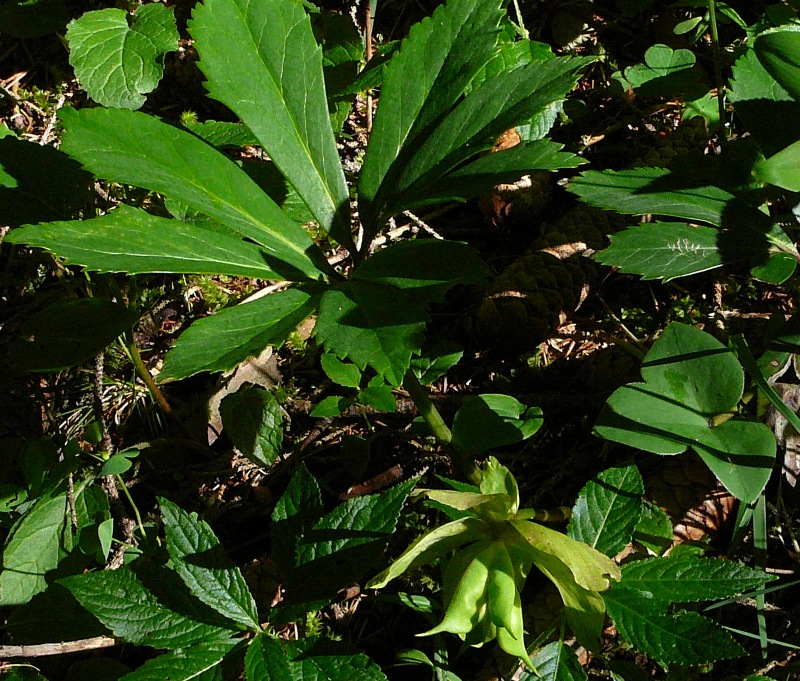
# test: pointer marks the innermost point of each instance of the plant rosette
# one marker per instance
(496, 545)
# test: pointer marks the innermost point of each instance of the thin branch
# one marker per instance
(44, 649)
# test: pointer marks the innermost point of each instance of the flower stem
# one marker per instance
(144, 374)
(465, 464)
(712, 13)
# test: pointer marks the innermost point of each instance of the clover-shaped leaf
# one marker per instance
(692, 384)
(488, 421)
(116, 63)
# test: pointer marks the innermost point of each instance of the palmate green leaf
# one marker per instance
(481, 175)
(175, 163)
(652, 190)
(663, 250)
(183, 664)
(654, 529)
(688, 579)
(118, 64)
(778, 51)
(436, 362)
(380, 397)
(428, 267)
(252, 419)
(200, 561)
(223, 340)
(431, 546)
(122, 603)
(36, 545)
(691, 378)
(781, 169)
(513, 54)
(608, 509)
(39, 183)
(361, 521)
(341, 546)
(51, 340)
(310, 659)
(487, 421)
(556, 662)
(371, 325)
(434, 66)
(298, 508)
(685, 638)
(740, 453)
(476, 122)
(767, 110)
(665, 71)
(696, 368)
(133, 241)
(341, 373)
(274, 82)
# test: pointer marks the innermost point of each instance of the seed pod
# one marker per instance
(468, 598)
(512, 640)
(484, 631)
(501, 586)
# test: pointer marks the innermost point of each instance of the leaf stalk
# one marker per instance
(428, 411)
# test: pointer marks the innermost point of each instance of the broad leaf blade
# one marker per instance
(133, 241)
(694, 368)
(767, 110)
(430, 546)
(608, 509)
(223, 340)
(36, 546)
(663, 250)
(298, 508)
(584, 608)
(200, 561)
(556, 662)
(689, 579)
(39, 183)
(487, 421)
(591, 569)
(371, 324)
(183, 664)
(119, 64)
(252, 419)
(779, 52)
(476, 122)
(428, 267)
(341, 373)
(781, 169)
(344, 544)
(741, 454)
(422, 81)
(651, 190)
(274, 82)
(179, 165)
(223, 134)
(122, 603)
(481, 175)
(310, 659)
(686, 638)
